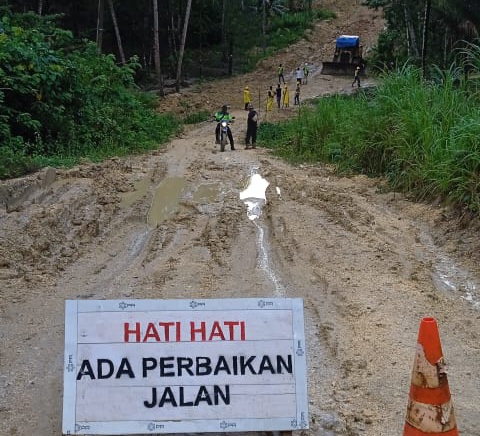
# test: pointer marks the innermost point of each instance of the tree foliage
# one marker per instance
(451, 22)
(61, 98)
(217, 28)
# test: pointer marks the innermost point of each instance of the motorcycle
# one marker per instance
(223, 133)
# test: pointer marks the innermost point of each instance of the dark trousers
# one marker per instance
(251, 134)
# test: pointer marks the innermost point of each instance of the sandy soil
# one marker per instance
(368, 263)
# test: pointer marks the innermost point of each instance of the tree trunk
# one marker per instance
(117, 32)
(411, 32)
(40, 7)
(224, 31)
(264, 26)
(99, 39)
(173, 34)
(182, 45)
(156, 48)
(426, 20)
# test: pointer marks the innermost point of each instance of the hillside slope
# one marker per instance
(319, 44)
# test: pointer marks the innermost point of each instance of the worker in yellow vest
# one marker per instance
(247, 97)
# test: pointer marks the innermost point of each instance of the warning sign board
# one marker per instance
(175, 366)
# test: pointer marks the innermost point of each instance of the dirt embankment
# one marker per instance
(368, 263)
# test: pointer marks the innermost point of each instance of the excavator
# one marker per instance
(347, 56)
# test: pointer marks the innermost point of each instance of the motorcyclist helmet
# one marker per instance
(224, 108)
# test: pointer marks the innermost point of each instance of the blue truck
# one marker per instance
(347, 56)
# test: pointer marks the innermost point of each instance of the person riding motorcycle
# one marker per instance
(220, 116)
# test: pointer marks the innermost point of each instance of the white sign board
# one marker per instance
(178, 366)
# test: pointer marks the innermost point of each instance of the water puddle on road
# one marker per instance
(165, 200)
(254, 198)
(448, 277)
(167, 196)
(140, 190)
(206, 193)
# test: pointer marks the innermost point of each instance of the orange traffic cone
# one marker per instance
(430, 411)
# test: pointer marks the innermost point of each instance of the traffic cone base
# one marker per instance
(431, 419)
(412, 431)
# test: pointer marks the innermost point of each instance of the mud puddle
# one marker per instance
(168, 195)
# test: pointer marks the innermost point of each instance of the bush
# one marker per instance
(60, 98)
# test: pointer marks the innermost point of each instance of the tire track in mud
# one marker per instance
(330, 216)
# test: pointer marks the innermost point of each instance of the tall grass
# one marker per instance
(423, 137)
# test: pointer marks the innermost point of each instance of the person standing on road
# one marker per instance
(297, 95)
(299, 75)
(270, 96)
(306, 72)
(280, 74)
(356, 77)
(286, 97)
(278, 94)
(252, 126)
(247, 97)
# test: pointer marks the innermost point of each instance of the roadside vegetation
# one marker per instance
(422, 137)
(62, 101)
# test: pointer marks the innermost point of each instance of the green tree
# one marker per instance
(413, 38)
(60, 97)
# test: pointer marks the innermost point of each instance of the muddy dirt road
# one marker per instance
(368, 263)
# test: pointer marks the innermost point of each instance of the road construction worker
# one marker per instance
(299, 75)
(220, 116)
(280, 74)
(252, 126)
(306, 72)
(286, 97)
(278, 95)
(356, 77)
(247, 97)
(270, 97)
(297, 95)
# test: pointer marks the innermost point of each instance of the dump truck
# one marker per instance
(347, 56)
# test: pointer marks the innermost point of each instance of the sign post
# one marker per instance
(176, 366)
